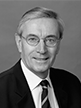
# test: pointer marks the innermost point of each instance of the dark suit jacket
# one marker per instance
(15, 92)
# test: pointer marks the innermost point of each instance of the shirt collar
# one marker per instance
(32, 79)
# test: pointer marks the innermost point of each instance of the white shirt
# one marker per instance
(33, 82)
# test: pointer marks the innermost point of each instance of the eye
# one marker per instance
(32, 40)
(51, 39)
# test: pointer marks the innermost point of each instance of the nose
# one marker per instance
(41, 48)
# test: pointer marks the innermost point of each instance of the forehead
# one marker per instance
(41, 26)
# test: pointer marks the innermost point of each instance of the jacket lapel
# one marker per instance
(26, 101)
(22, 97)
(58, 85)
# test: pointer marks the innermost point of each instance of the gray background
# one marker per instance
(69, 57)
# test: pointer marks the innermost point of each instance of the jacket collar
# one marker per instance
(58, 85)
(22, 92)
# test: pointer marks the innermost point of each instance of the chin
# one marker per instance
(41, 68)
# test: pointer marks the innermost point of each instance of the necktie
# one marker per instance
(44, 97)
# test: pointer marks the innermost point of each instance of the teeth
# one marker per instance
(41, 58)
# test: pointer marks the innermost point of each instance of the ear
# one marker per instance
(58, 47)
(18, 42)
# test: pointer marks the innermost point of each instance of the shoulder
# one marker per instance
(62, 73)
(64, 76)
(69, 84)
(6, 79)
(7, 76)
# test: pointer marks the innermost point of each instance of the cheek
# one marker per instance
(27, 51)
(52, 52)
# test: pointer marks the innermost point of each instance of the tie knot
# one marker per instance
(44, 83)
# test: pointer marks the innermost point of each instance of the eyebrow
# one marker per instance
(51, 36)
(31, 35)
(44, 37)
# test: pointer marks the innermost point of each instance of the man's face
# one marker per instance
(38, 58)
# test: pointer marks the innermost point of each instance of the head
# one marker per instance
(38, 39)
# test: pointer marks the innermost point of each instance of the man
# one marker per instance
(38, 40)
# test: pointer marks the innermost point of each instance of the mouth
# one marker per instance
(41, 59)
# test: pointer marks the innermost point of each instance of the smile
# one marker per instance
(41, 59)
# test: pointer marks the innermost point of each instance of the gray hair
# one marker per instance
(40, 12)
